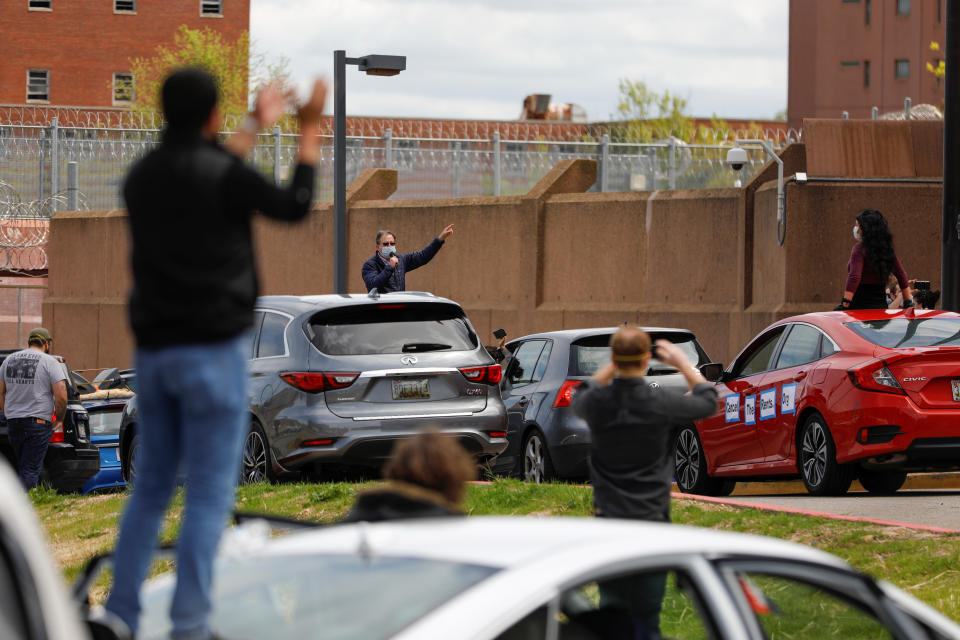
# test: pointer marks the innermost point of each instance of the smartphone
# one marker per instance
(500, 333)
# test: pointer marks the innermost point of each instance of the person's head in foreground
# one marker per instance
(432, 461)
(630, 351)
(189, 99)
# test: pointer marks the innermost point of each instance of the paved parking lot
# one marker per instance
(930, 508)
(927, 500)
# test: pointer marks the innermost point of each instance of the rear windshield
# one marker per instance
(105, 423)
(903, 332)
(587, 355)
(391, 328)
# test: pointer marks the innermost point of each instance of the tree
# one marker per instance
(648, 116)
(233, 65)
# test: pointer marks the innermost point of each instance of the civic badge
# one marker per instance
(409, 360)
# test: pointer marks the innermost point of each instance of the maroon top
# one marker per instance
(857, 274)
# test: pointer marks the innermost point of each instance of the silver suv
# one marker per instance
(338, 379)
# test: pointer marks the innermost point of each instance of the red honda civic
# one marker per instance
(832, 396)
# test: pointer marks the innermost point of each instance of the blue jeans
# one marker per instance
(29, 440)
(192, 402)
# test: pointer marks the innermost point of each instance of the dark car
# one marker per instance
(545, 440)
(71, 459)
(337, 380)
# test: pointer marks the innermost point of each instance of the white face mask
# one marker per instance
(856, 232)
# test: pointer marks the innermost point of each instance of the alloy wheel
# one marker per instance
(254, 458)
(533, 463)
(814, 451)
(687, 459)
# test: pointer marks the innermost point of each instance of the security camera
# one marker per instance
(736, 158)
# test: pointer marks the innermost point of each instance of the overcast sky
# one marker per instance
(479, 58)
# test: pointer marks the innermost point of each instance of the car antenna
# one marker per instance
(374, 294)
(364, 548)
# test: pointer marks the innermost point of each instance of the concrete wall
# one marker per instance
(555, 258)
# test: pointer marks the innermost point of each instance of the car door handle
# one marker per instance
(801, 375)
(523, 402)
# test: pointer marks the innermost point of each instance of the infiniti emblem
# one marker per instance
(410, 360)
(654, 385)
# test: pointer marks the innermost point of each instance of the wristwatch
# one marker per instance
(906, 304)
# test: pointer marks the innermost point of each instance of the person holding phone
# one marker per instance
(386, 270)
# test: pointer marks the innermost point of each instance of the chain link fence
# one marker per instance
(84, 163)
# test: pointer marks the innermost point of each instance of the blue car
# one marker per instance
(105, 435)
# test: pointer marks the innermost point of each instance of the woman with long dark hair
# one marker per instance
(872, 260)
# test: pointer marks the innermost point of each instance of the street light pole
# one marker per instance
(376, 65)
(950, 231)
(339, 172)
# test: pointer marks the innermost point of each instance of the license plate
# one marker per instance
(411, 389)
(955, 387)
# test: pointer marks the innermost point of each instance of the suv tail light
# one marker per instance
(57, 435)
(873, 375)
(317, 381)
(487, 374)
(565, 394)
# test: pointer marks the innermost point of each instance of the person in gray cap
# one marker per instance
(33, 397)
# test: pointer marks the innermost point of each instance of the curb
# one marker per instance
(919, 481)
(808, 512)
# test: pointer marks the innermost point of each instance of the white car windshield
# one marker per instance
(337, 597)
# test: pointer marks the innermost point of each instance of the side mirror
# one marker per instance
(712, 371)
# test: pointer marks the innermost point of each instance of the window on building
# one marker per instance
(901, 69)
(40, 5)
(125, 6)
(211, 7)
(866, 13)
(939, 11)
(903, 7)
(38, 85)
(866, 74)
(123, 87)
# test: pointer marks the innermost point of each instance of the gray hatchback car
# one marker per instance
(546, 440)
(338, 379)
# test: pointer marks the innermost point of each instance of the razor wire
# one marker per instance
(34, 158)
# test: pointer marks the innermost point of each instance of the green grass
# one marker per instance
(924, 564)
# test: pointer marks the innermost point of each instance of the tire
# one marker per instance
(883, 483)
(817, 460)
(134, 451)
(256, 457)
(690, 467)
(537, 466)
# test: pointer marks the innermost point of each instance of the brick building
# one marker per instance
(77, 52)
(853, 55)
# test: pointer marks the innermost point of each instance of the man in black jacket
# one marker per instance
(190, 203)
(386, 270)
(632, 431)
